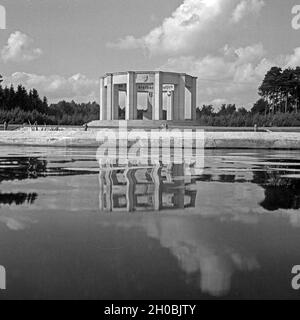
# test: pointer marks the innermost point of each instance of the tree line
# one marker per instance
(279, 105)
(280, 91)
(230, 116)
(19, 106)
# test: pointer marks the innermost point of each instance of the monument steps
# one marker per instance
(145, 124)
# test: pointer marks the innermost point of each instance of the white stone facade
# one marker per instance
(155, 84)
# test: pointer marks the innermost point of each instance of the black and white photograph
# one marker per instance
(150, 153)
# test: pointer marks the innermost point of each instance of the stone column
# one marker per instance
(170, 106)
(194, 99)
(109, 97)
(115, 102)
(130, 189)
(179, 99)
(149, 114)
(181, 88)
(101, 190)
(157, 181)
(178, 174)
(158, 97)
(176, 103)
(109, 191)
(103, 102)
(131, 97)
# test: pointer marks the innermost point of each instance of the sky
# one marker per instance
(62, 47)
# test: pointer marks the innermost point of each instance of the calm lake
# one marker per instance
(69, 230)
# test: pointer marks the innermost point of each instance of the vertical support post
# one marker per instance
(158, 97)
(194, 99)
(179, 180)
(179, 99)
(115, 102)
(109, 191)
(176, 103)
(149, 114)
(130, 189)
(131, 97)
(109, 97)
(101, 190)
(181, 89)
(170, 106)
(103, 102)
(157, 196)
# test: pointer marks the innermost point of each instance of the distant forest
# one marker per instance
(279, 105)
(18, 106)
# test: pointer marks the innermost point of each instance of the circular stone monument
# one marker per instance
(168, 96)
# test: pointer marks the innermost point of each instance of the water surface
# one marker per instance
(71, 230)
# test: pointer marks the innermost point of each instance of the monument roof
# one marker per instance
(146, 72)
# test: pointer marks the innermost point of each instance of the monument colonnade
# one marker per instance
(154, 84)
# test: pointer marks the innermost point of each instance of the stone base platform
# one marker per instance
(146, 124)
(212, 140)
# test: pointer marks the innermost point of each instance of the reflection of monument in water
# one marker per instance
(146, 188)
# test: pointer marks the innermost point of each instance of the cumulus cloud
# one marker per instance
(293, 60)
(231, 76)
(246, 7)
(178, 33)
(197, 253)
(20, 48)
(191, 22)
(56, 87)
(129, 42)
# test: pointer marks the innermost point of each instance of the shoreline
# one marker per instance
(212, 140)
